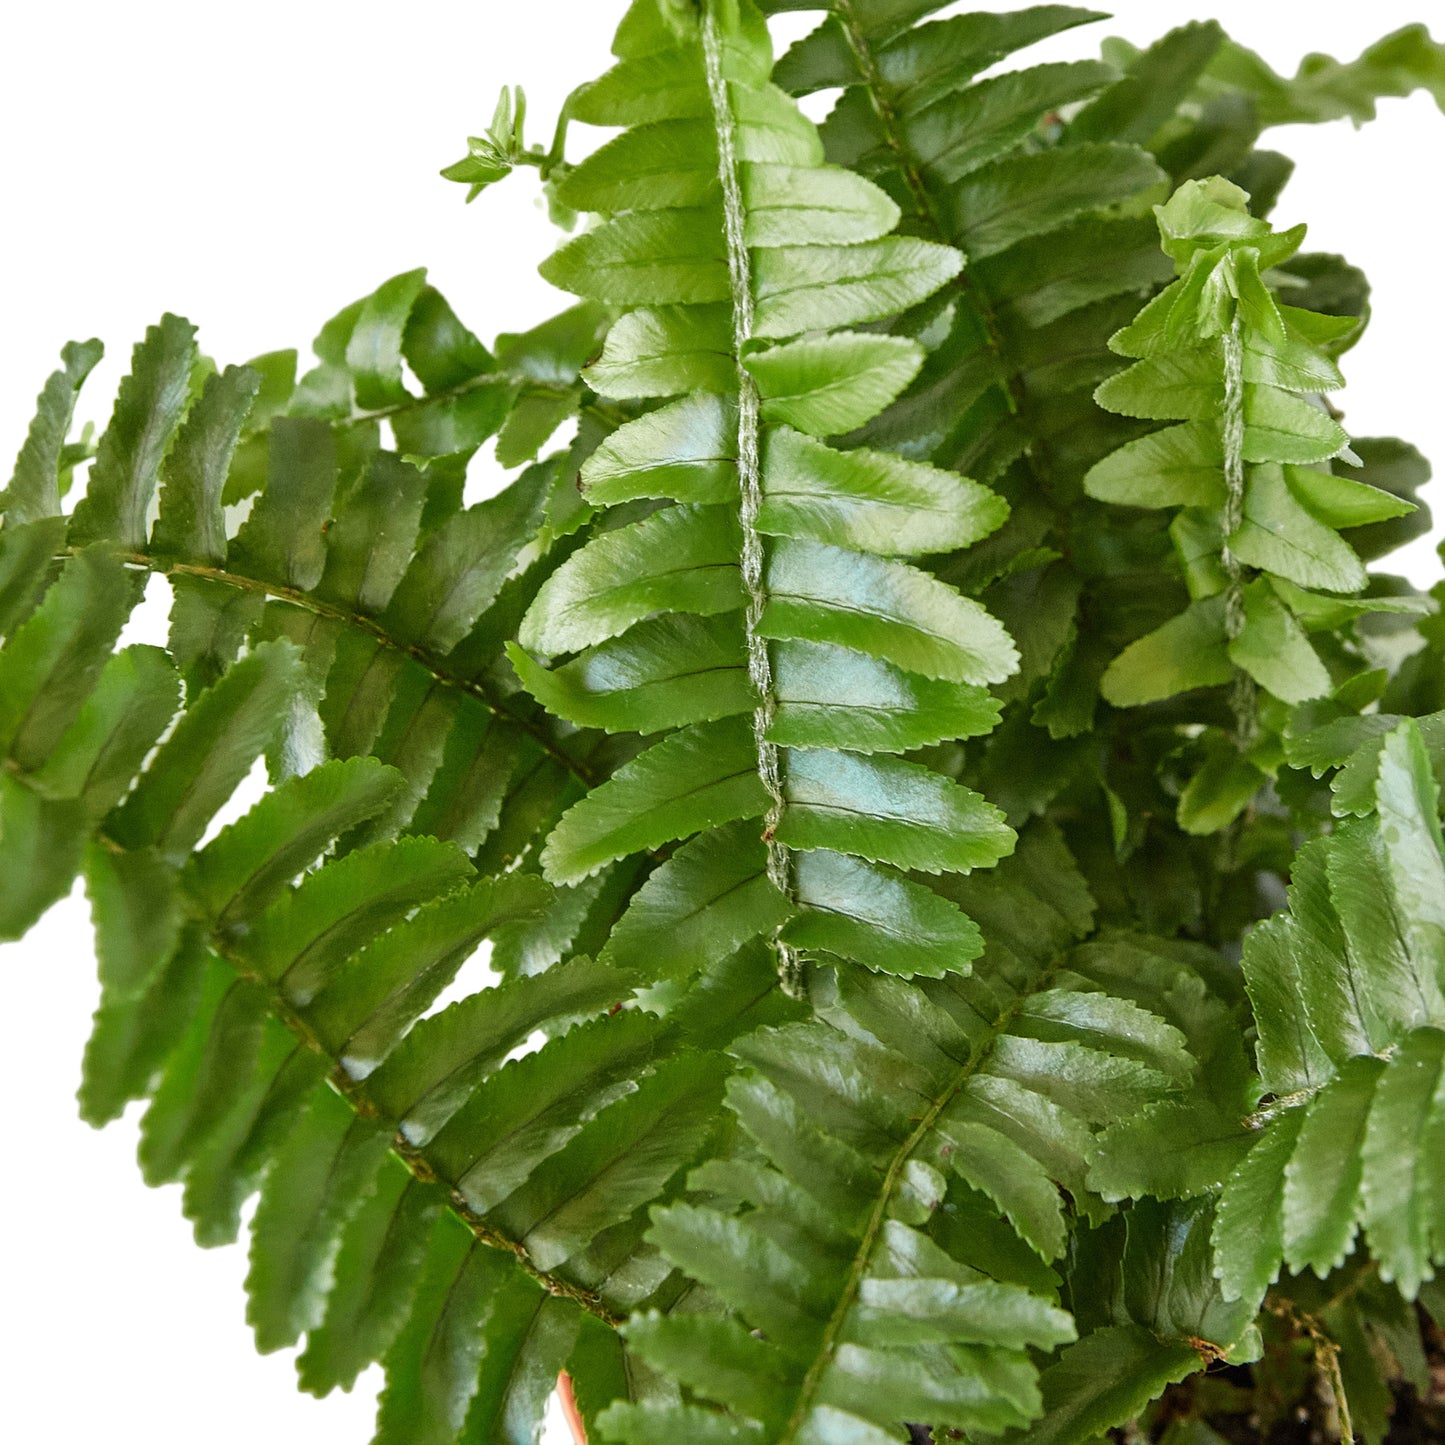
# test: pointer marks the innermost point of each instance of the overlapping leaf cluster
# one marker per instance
(861, 781)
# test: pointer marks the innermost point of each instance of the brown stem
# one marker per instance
(568, 1398)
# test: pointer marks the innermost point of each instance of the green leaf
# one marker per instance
(374, 351)
(889, 710)
(666, 672)
(985, 120)
(660, 258)
(459, 569)
(34, 490)
(878, 918)
(1249, 1221)
(1323, 1176)
(889, 811)
(363, 1012)
(309, 935)
(321, 1177)
(827, 385)
(433, 1368)
(1188, 651)
(52, 663)
(870, 501)
(697, 778)
(1409, 806)
(618, 1162)
(1398, 1177)
(209, 752)
(683, 559)
(41, 843)
(883, 608)
(378, 1269)
(283, 537)
(1156, 81)
(708, 899)
(686, 451)
(1104, 1380)
(1280, 536)
(1341, 502)
(148, 408)
(1180, 466)
(819, 288)
(99, 754)
(371, 541)
(132, 1036)
(1274, 650)
(191, 524)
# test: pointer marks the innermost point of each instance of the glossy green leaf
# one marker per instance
(883, 608)
(148, 409)
(878, 918)
(683, 559)
(889, 811)
(697, 778)
(34, 491)
(830, 384)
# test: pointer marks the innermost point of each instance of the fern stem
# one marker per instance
(760, 667)
(847, 1296)
(1243, 698)
(474, 686)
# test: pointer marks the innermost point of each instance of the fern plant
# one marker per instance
(953, 822)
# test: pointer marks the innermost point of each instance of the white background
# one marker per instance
(255, 167)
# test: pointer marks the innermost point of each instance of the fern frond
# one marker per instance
(1347, 992)
(265, 990)
(762, 615)
(1258, 534)
(885, 1238)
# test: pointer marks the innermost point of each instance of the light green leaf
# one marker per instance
(1280, 536)
(827, 385)
(686, 451)
(886, 609)
(666, 672)
(888, 709)
(1188, 651)
(820, 288)
(708, 899)
(889, 811)
(1181, 466)
(1274, 650)
(870, 501)
(682, 559)
(878, 918)
(1341, 501)
(697, 778)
